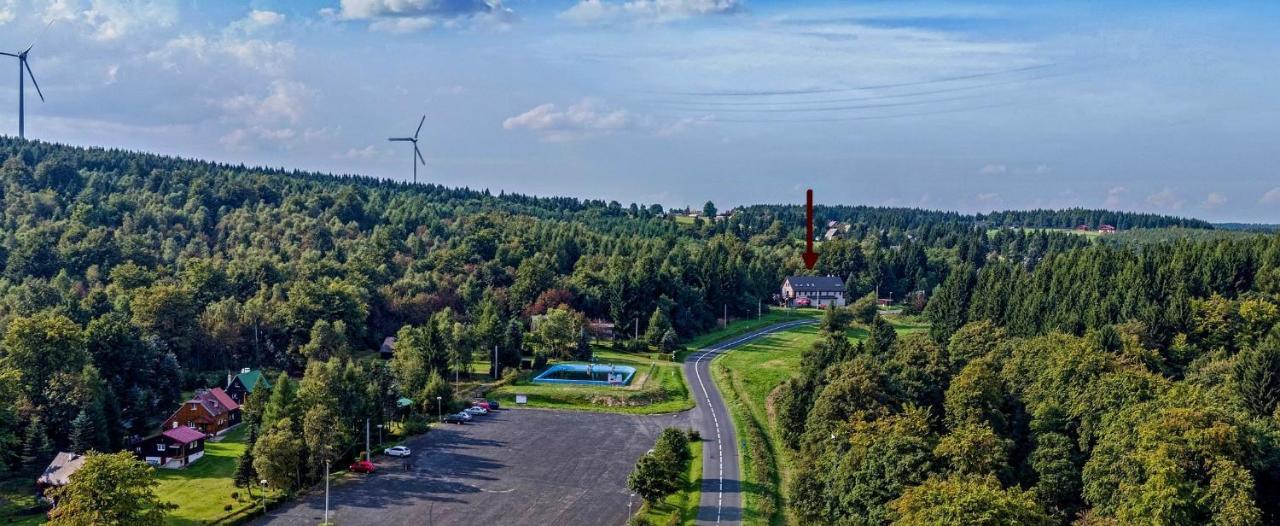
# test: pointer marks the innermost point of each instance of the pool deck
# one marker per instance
(627, 370)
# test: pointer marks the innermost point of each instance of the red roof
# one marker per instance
(183, 435)
(224, 399)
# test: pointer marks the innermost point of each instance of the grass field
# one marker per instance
(683, 502)
(741, 327)
(657, 387)
(747, 377)
(17, 496)
(203, 490)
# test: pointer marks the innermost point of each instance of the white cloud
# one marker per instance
(987, 199)
(268, 118)
(368, 152)
(8, 11)
(112, 73)
(270, 57)
(405, 16)
(1166, 199)
(596, 11)
(404, 24)
(1272, 197)
(581, 120)
(113, 19)
(1115, 197)
(1213, 200)
(994, 169)
(257, 20)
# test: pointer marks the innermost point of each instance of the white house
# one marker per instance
(820, 291)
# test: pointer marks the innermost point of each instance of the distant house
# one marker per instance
(1106, 229)
(1082, 228)
(819, 290)
(884, 302)
(600, 329)
(831, 234)
(388, 348)
(210, 411)
(173, 448)
(58, 473)
(241, 385)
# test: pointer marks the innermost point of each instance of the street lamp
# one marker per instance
(629, 499)
(379, 434)
(439, 409)
(264, 496)
(326, 491)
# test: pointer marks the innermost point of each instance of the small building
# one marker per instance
(601, 329)
(210, 411)
(173, 448)
(241, 385)
(1106, 229)
(831, 234)
(884, 302)
(821, 291)
(388, 348)
(59, 471)
(1082, 227)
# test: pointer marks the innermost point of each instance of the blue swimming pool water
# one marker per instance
(586, 374)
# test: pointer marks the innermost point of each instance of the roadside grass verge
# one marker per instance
(742, 327)
(683, 503)
(657, 387)
(747, 377)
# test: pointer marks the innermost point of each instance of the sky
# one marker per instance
(1165, 107)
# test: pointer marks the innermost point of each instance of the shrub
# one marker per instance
(235, 495)
(227, 507)
(415, 426)
(693, 434)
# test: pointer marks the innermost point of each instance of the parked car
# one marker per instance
(397, 451)
(480, 402)
(454, 418)
(464, 415)
(493, 404)
(362, 466)
(803, 302)
(476, 410)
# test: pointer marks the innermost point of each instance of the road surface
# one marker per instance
(721, 501)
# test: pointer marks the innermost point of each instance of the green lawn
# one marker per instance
(203, 490)
(749, 375)
(657, 387)
(741, 327)
(17, 495)
(683, 502)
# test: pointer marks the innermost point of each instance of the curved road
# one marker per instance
(721, 501)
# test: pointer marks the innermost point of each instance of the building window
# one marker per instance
(160, 447)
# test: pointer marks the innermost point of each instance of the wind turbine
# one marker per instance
(22, 82)
(417, 154)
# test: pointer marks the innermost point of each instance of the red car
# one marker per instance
(480, 402)
(362, 466)
(803, 302)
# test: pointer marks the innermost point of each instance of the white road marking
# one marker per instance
(726, 348)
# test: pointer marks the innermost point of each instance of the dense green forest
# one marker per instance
(1063, 377)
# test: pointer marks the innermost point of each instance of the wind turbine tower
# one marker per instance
(24, 70)
(417, 154)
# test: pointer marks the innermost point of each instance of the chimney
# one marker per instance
(229, 377)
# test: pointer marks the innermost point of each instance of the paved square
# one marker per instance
(514, 466)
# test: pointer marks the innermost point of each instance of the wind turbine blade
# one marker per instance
(40, 36)
(419, 154)
(404, 139)
(33, 79)
(8, 54)
(424, 119)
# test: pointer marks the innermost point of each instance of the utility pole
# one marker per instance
(495, 362)
(439, 410)
(326, 491)
(637, 337)
(368, 455)
(726, 315)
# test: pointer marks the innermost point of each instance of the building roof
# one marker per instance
(59, 471)
(250, 380)
(816, 283)
(223, 398)
(388, 345)
(183, 435)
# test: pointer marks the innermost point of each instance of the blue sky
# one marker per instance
(1153, 106)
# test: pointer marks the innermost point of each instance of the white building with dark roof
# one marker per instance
(817, 291)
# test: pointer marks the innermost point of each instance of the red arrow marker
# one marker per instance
(810, 257)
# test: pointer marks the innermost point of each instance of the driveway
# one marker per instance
(513, 466)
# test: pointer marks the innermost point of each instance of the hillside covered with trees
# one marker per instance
(1062, 376)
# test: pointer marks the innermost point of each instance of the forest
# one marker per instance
(1064, 379)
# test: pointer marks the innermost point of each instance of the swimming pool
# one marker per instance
(586, 374)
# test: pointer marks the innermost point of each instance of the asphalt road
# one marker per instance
(721, 501)
(511, 467)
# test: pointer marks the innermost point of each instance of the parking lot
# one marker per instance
(513, 466)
